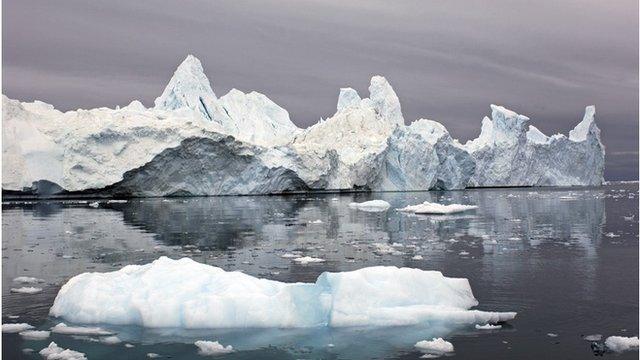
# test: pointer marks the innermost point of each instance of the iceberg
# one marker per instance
(192, 142)
(186, 294)
(508, 153)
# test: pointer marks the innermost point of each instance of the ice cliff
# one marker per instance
(192, 142)
(186, 294)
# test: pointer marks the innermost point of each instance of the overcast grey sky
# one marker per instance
(447, 60)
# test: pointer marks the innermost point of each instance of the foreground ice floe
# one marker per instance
(192, 142)
(54, 352)
(435, 208)
(621, 343)
(186, 294)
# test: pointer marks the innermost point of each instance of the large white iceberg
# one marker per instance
(510, 153)
(186, 294)
(192, 142)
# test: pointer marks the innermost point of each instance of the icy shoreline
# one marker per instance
(193, 143)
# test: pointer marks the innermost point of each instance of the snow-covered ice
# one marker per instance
(54, 352)
(435, 208)
(209, 348)
(621, 343)
(364, 145)
(186, 294)
(15, 328)
(371, 206)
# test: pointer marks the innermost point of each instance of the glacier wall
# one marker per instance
(192, 142)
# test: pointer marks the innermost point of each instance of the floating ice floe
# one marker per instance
(186, 294)
(621, 343)
(26, 290)
(371, 206)
(437, 346)
(15, 328)
(62, 328)
(488, 327)
(110, 340)
(54, 352)
(27, 280)
(594, 337)
(435, 208)
(208, 348)
(307, 259)
(34, 334)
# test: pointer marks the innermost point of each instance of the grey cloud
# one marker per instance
(447, 60)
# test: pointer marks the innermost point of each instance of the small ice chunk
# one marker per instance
(621, 343)
(488, 327)
(129, 345)
(35, 334)
(94, 204)
(110, 340)
(212, 348)
(435, 208)
(289, 256)
(417, 257)
(594, 337)
(26, 290)
(552, 335)
(437, 346)
(315, 222)
(27, 280)
(371, 206)
(152, 355)
(62, 328)
(54, 352)
(15, 328)
(307, 259)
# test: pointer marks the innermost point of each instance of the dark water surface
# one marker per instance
(565, 259)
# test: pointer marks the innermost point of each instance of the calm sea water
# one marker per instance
(565, 259)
